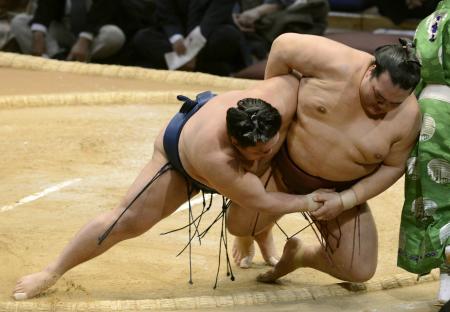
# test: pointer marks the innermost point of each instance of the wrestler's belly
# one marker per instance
(327, 160)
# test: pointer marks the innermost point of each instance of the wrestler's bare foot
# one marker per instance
(243, 251)
(267, 246)
(290, 260)
(31, 285)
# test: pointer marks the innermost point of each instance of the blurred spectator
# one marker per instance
(9, 9)
(78, 30)
(400, 10)
(350, 5)
(130, 16)
(194, 35)
(364, 41)
(368, 41)
(262, 21)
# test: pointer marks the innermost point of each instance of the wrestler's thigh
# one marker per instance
(245, 222)
(358, 243)
(160, 199)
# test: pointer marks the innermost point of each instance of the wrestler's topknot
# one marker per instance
(400, 61)
(252, 121)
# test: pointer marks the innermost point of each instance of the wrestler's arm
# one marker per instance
(311, 56)
(392, 167)
(385, 176)
(247, 190)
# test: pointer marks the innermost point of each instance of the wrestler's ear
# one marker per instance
(369, 70)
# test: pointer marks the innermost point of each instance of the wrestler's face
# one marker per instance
(379, 95)
(260, 150)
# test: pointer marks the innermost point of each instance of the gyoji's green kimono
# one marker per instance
(425, 224)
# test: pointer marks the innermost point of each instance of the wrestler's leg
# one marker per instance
(249, 226)
(266, 245)
(244, 249)
(164, 196)
(243, 245)
(355, 260)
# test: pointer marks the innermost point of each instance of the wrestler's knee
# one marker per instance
(360, 274)
(239, 223)
(237, 229)
(131, 224)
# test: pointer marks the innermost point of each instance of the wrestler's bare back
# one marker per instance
(205, 147)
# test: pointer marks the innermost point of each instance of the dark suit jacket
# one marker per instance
(181, 16)
(100, 13)
(397, 11)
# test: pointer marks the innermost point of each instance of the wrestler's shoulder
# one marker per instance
(312, 44)
(217, 164)
(412, 105)
(227, 98)
(274, 84)
(410, 115)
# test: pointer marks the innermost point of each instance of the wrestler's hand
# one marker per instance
(311, 203)
(331, 208)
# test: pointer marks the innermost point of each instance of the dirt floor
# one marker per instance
(62, 165)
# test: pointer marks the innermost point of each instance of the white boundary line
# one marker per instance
(59, 186)
(38, 195)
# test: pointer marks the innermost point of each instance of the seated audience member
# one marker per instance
(197, 35)
(400, 10)
(130, 16)
(262, 21)
(350, 5)
(363, 41)
(9, 9)
(75, 30)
